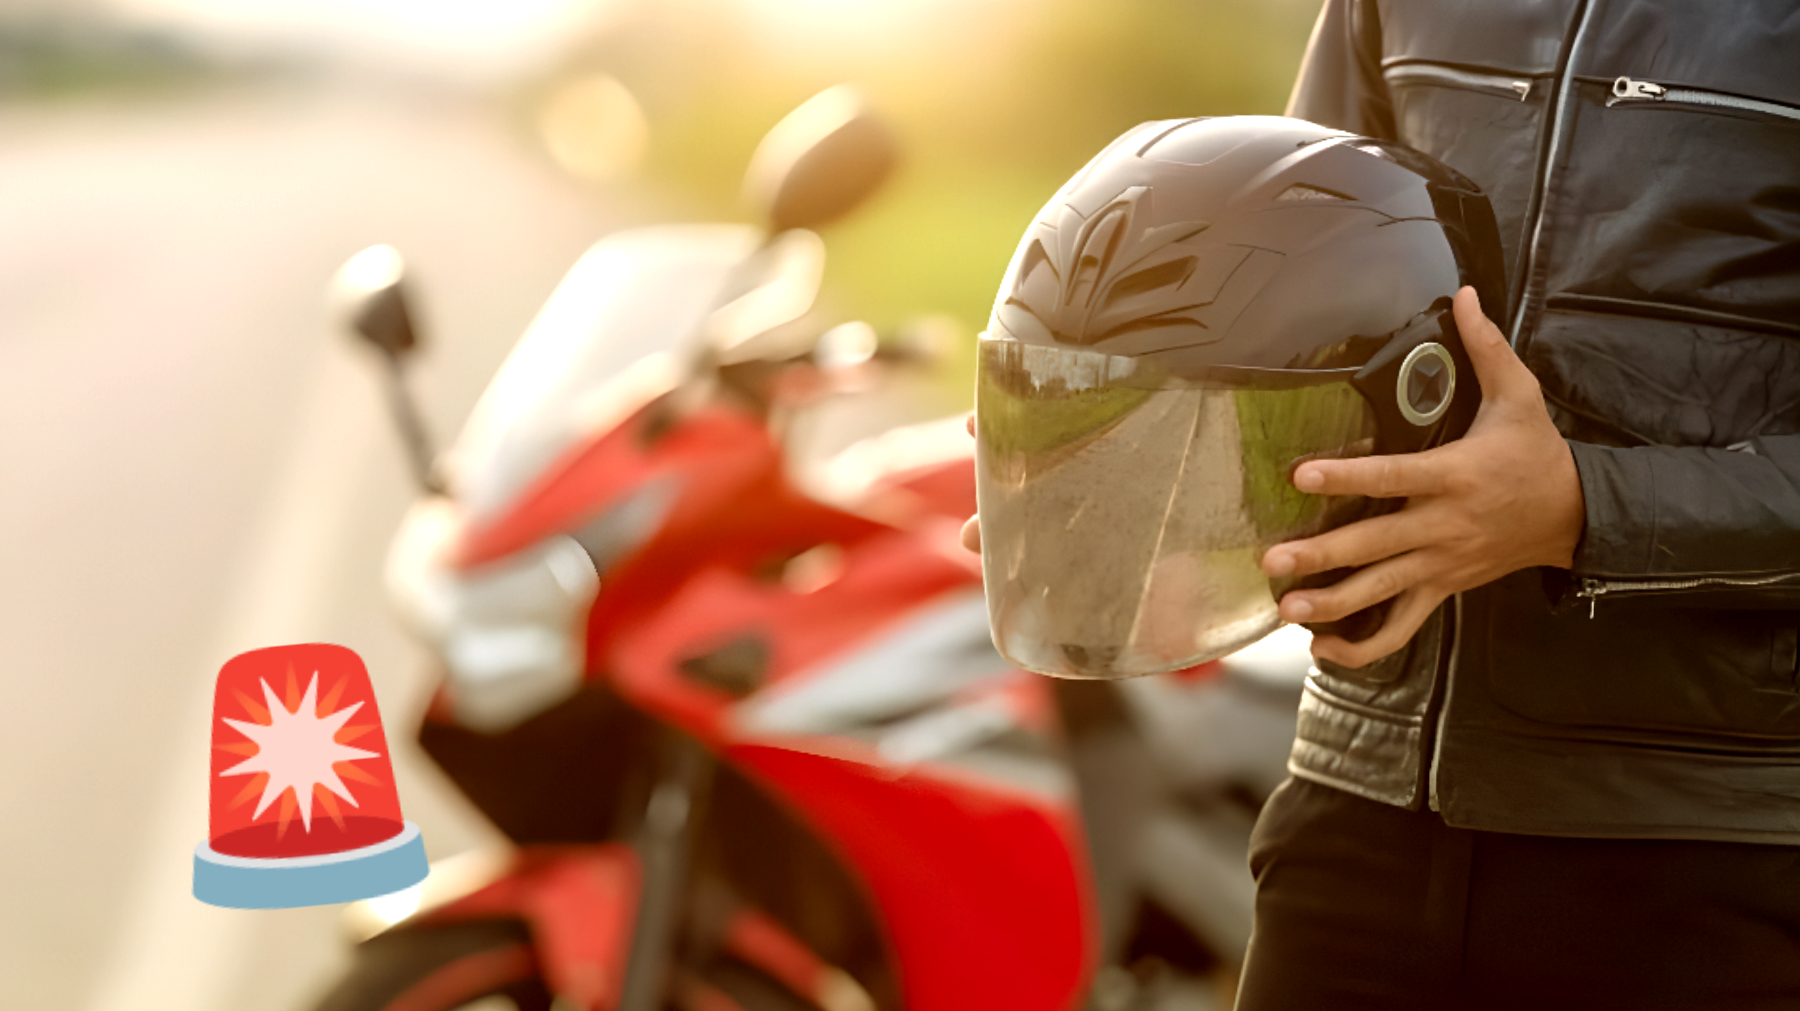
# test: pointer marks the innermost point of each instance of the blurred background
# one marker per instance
(195, 463)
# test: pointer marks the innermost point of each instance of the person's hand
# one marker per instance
(971, 530)
(1504, 497)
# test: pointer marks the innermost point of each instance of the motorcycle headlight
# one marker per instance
(511, 633)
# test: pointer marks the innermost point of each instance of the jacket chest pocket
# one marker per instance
(1484, 124)
(1669, 270)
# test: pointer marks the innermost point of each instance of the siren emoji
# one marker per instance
(303, 806)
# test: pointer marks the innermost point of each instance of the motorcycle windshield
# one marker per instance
(1124, 508)
(630, 297)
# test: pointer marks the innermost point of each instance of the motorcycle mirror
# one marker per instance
(846, 346)
(821, 160)
(368, 286)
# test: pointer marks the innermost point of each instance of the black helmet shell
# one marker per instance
(1254, 242)
(1205, 304)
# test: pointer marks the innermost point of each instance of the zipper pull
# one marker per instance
(1523, 88)
(1591, 588)
(1627, 90)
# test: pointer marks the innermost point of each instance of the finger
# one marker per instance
(1502, 375)
(971, 534)
(1403, 621)
(1363, 588)
(971, 424)
(1398, 476)
(1358, 543)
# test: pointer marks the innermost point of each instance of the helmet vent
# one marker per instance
(1164, 275)
(1036, 257)
(1098, 242)
(1301, 191)
(1087, 278)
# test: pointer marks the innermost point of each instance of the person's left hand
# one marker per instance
(971, 528)
(1504, 497)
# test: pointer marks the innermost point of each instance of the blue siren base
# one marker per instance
(235, 882)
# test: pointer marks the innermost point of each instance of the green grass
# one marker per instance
(994, 111)
(1017, 422)
(1278, 429)
(54, 58)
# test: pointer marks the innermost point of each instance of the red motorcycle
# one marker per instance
(740, 714)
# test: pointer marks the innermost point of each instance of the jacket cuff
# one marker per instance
(1619, 490)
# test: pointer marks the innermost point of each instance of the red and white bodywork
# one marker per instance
(870, 697)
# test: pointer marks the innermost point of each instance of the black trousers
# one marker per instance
(1362, 905)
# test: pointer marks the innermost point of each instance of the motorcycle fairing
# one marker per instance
(981, 892)
(969, 848)
(942, 648)
(580, 903)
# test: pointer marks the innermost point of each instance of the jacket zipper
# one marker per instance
(1626, 89)
(1559, 116)
(1593, 589)
(1443, 704)
(1557, 111)
(1504, 85)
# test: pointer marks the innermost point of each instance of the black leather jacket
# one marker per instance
(1643, 157)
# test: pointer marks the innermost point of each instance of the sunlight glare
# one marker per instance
(594, 127)
(858, 20)
(396, 906)
(369, 271)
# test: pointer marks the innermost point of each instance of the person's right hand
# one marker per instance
(971, 531)
(1504, 497)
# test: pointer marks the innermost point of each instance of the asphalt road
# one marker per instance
(193, 463)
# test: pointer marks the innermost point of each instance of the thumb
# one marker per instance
(971, 534)
(1502, 375)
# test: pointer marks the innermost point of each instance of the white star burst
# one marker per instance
(297, 750)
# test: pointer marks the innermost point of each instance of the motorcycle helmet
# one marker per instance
(1206, 304)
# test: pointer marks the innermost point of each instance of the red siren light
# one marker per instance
(304, 809)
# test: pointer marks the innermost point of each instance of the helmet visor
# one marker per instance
(1124, 508)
